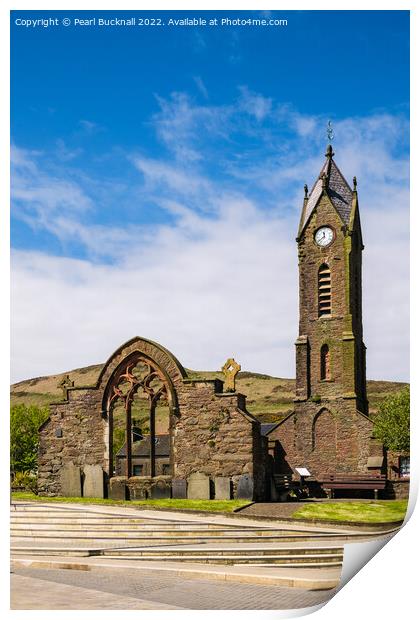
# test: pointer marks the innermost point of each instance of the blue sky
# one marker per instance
(157, 179)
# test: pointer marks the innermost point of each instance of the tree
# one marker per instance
(24, 424)
(392, 423)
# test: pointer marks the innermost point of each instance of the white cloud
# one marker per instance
(201, 86)
(254, 104)
(46, 200)
(174, 177)
(207, 289)
(205, 299)
(183, 126)
(89, 127)
(222, 280)
(64, 153)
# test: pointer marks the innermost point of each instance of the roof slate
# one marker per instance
(338, 190)
(142, 447)
(267, 427)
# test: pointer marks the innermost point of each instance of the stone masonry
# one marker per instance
(329, 431)
(210, 431)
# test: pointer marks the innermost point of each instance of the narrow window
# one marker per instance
(325, 363)
(324, 290)
(137, 470)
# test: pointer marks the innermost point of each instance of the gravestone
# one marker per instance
(71, 481)
(179, 488)
(198, 486)
(221, 488)
(245, 488)
(93, 485)
(161, 490)
(117, 489)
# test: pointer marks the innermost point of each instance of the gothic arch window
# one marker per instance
(325, 363)
(138, 398)
(324, 290)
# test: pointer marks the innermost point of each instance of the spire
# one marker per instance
(332, 182)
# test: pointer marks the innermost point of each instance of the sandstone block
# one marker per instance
(71, 482)
(94, 481)
(199, 486)
(221, 487)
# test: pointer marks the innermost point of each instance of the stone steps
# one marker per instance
(66, 532)
(150, 529)
(55, 551)
(278, 558)
(278, 561)
(27, 517)
(170, 537)
(286, 557)
(123, 526)
(221, 551)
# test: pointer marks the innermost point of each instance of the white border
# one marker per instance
(387, 586)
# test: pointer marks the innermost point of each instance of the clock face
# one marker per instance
(324, 236)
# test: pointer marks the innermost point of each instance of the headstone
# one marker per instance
(93, 485)
(117, 489)
(179, 488)
(221, 488)
(160, 490)
(245, 488)
(71, 481)
(198, 486)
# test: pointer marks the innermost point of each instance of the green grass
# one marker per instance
(366, 512)
(173, 504)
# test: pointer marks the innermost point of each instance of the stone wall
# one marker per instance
(326, 440)
(73, 434)
(342, 330)
(398, 489)
(210, 432)
(329, 431)
(215, 434)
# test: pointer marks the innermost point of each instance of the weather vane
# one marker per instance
(330, 131)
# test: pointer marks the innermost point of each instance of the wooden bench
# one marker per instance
(375, 482)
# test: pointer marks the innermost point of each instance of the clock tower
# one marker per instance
(330, 353)
(329, 430)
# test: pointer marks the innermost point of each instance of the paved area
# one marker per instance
(116, 589)
(267, 575)
(274, 510)
(32, 593)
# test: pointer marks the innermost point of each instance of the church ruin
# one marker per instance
(213, 447)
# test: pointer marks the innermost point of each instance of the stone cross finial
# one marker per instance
(65, 383)
(230, 370)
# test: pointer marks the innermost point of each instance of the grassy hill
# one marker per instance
(269, 398)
